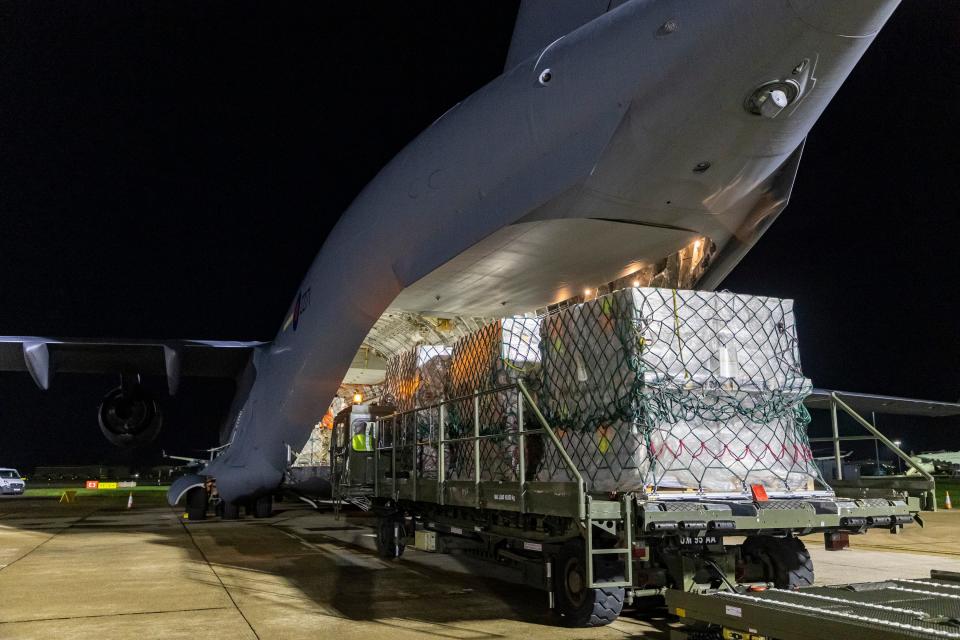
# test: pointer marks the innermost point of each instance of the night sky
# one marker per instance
(169, 170)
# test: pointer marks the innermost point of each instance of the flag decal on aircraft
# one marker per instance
(299, 306)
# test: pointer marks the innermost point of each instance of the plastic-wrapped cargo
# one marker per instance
(495, 356)
(678, 390)
(414, 379)
(728, 455)
(417, 377)
(709, 339)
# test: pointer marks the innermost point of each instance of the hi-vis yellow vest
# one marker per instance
(360, 442)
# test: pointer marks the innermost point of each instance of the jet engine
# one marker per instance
(130, 416)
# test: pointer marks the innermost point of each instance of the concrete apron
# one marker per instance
(87, 572)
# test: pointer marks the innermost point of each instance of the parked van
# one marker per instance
(11, 482)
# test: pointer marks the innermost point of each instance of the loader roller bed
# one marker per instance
(893, 609)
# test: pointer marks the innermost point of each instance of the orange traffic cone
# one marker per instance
(946, 502)
(130, 500)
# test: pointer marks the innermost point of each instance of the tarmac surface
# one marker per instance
(96, 570)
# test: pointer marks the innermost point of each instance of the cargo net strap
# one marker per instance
(679, 390)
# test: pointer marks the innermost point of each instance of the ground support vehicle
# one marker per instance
(592, 553)
(11, 483)
(889, 610)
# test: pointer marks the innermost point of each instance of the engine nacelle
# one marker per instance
(130, 417)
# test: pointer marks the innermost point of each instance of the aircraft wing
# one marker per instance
(42, 357)
(867, 402)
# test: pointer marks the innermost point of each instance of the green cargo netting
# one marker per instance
(647, 389)
(679, 390)
(416, 377)
(486, 361)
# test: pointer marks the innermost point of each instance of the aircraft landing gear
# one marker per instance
(229, 510)
(262, 507)
(197, 503)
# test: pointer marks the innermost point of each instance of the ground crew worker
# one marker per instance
(361, 441)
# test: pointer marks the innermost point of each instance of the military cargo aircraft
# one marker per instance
(644, 142)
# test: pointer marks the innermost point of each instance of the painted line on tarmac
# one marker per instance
(219, 579)
(111, 615)
(52, 536)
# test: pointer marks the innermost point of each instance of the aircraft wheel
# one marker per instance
(197, 504)
(229, 510)
(263, 507)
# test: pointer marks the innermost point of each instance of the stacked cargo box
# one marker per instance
(678, 390)
(493, 357)
(416, 378)
(647, 389)
(590, 392)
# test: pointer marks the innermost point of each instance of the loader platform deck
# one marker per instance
(888, 610)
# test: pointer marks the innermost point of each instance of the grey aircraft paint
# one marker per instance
(633, 119)
(607, 120)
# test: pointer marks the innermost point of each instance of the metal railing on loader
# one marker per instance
(412, 452)
(836, 402)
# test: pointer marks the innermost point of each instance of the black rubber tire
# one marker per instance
(577, 604)
(787, 562)
(229, 510)
(389, 546)
(196, 504)
(263, 507)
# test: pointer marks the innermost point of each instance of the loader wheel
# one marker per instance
(197, 504)
(785, 561)
(577, 603)
(390, 543)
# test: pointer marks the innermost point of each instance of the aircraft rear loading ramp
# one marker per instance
(889, 610)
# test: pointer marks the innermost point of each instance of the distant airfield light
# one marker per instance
(357, 398)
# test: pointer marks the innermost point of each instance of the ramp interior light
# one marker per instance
(636, 283)
(357, 398)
